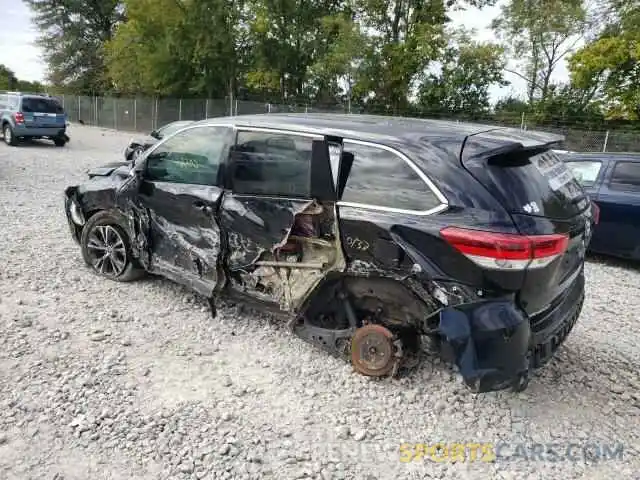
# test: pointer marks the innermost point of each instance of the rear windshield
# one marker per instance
(41, 105)
(534, 182)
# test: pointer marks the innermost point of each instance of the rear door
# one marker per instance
(269, 186)
(180, 194)
(619, 202)
(42, 112)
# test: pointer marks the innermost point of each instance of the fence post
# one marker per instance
(155, 118)
(231, 104)
(522, 122)
(236, 112)
(606, 141)
(268, 108)
(79, 100)
(135, 114)
(206, 109)
(180, 109)
(95, 109)
(115, 114)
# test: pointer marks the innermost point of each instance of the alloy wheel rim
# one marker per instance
(107, 251)
(7, 134)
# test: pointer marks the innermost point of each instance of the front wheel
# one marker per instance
(59, 141)
(106, 248)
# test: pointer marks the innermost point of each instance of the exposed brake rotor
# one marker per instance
(375, 351)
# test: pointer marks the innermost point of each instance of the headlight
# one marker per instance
(76, 213)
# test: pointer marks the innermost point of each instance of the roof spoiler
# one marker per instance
(512, 140)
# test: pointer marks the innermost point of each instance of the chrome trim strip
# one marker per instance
(241, 128)
(444, 204)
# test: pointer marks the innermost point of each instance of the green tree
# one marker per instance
(286, 38)
(609, 67)
(72, 36)
(567, 105)
(9, 81)
(468, 69)
(333, 76)
(173, 47)
(541, 33)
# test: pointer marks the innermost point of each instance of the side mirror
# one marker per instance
(155, 135)
(322, 187)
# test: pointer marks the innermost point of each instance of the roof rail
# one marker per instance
(9, 92)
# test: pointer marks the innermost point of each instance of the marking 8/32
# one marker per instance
(357, 244)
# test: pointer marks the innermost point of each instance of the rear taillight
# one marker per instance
(19, 117)
(504, 251)
(596, 212)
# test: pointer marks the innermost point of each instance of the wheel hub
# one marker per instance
(107, 250)
(373, 351)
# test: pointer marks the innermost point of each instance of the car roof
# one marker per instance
(384, 129)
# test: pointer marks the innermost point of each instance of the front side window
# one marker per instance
(585, 172)
(380, 178)
(270, 163)
(192, 156)
(626, 175)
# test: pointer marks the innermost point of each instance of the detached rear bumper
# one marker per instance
(496, 345)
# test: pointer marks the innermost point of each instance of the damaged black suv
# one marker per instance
(376, 237)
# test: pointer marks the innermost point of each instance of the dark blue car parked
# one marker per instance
(612, 180)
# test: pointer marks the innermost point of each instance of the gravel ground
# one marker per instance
(100, 380)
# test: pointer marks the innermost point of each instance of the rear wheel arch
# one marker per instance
(398, 303)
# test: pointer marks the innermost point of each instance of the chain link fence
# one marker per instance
(144, 114)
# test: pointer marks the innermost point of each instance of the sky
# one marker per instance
(19, 52)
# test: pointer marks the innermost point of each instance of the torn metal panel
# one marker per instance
(182, 232)
(299, 243)
(255, 225)
(489, 341)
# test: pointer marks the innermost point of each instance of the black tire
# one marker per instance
(108, 229)
(9, 137)
(59, 141)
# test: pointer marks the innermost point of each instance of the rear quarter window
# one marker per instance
(381, 179)
(625, 176)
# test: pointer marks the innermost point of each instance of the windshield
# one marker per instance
(171, 128)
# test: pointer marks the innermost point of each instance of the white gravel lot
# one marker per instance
(100, 380)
